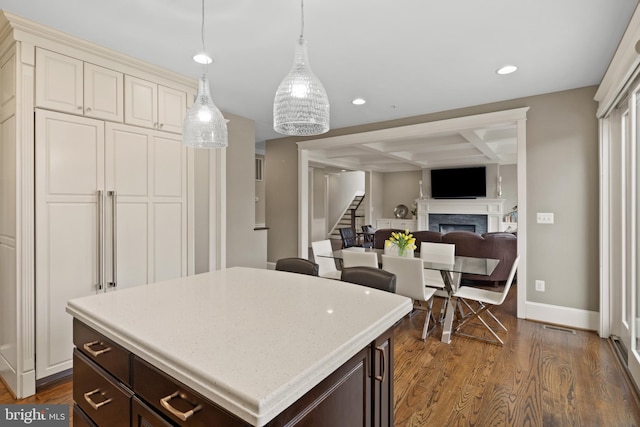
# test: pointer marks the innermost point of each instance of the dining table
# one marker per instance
(461, 264)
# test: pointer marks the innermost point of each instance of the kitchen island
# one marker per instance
(242, 346)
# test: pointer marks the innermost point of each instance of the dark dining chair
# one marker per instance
(350, 239)
(383, 234)
(367, 233)
(348, 236)
(297, 265)
(371, 277)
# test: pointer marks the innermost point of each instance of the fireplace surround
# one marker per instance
(491, 209)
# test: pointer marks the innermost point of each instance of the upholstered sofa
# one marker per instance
(497, 245)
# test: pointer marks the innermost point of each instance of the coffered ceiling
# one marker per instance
(477, 146)
(406, 58)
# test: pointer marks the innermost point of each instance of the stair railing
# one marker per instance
(359, 196)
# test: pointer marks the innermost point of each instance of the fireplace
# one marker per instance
(445, 228)
(445, 223)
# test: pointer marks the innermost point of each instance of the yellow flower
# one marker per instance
(402, 240)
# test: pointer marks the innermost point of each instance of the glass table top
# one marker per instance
(462, 264)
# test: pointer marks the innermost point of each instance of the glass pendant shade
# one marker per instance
(301, 105)
(204, 126)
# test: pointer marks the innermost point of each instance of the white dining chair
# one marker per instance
(443, 253)
(358, 258)
(485, 299)
(327, 266)
(410, 283)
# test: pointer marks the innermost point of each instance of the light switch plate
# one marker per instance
(544, 218)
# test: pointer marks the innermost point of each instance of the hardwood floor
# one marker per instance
(541, 377)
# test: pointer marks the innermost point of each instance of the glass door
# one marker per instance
(625, 223)
(632, 303)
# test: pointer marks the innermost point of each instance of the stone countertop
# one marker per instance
(251, 340)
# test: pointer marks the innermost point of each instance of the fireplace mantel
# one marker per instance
(493, 208)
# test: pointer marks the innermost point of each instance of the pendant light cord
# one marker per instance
(302, 18)
(204, 65)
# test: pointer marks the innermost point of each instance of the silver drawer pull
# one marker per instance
(94, 405)
(382, 363)
(184, 416)
(95, 353)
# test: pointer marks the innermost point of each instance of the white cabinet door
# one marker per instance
(383, 224)
(59, 82)
(103, 93)
(172, 107)
(404, 224)
(140, 102)
(68, 85)
(147, 170)
(69, 172)
(142, 214)
(153, 106)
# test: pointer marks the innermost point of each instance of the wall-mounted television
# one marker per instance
(459, 183)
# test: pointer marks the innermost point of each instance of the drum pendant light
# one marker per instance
(204, 126)
(301, 105)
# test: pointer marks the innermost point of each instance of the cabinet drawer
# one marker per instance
(80, 419)
(104, 401)
(178, 402)
(143, 416)
(109, 355)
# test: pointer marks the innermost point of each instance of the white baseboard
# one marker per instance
(271, 265)
(19, 385)
(565, 316)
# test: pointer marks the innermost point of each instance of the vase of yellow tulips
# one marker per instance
(402, 243)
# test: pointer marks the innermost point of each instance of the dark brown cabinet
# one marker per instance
(143, 416)
(382, 376)
(102, 399)
(358, 393)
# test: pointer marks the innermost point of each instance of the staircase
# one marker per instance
(349, 218)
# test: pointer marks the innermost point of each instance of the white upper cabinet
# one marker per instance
(154, 106)
(72, 86)
(172, 107)
(103, 92)
(59, 82)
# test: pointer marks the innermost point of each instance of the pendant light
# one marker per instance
(301, 105)
(204, 126)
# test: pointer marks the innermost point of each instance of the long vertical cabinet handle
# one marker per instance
(114, 239)
(380, 377)
(100, 284)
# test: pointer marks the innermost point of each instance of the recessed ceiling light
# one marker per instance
(202, 58)
(358, 101)
(507, 69)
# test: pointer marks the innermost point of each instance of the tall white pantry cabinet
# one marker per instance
(95, 187)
